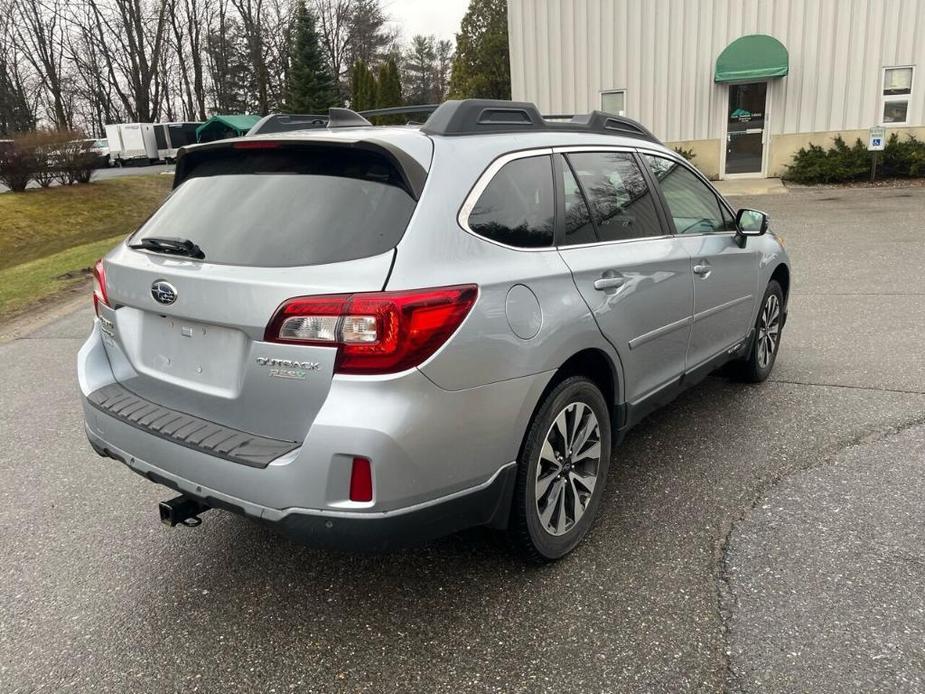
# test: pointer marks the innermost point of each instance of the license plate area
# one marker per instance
(189, 353)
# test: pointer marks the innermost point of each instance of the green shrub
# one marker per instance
(688, 154)
(841, 163)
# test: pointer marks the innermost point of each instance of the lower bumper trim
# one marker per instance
(488, 504)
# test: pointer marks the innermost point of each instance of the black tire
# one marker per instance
(526, 531)
(755, 368)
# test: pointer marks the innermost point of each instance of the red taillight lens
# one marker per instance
(378, 332)
(99, 287)
(361, 480)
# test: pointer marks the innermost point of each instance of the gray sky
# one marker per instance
(438, 17)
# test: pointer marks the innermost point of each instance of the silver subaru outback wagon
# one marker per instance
(369, 336)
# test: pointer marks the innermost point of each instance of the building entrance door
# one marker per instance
(745, 126)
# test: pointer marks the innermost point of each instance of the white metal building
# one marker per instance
(744, 83)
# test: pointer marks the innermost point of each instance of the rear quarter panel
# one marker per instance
(437, 251)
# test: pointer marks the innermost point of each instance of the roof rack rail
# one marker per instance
(465, 117)
(475, 116)
(286, 122)
(399, 110)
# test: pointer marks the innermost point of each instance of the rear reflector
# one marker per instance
(361, 480)
(99, 287)
(376, 332)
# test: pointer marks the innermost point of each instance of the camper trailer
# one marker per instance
(132, 142)
(171, 137)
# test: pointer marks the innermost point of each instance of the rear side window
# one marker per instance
(621, 203)
(517, 208)
(287, 207)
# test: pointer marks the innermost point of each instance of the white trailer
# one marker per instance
(132, 142)
(172, 136)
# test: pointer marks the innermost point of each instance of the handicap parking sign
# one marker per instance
(877, 139)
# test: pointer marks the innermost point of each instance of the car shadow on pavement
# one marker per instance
(383, 617)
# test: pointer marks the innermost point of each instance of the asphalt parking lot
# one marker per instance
(752, 538)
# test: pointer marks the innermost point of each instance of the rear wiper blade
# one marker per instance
(169, 246)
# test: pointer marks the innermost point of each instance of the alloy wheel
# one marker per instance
(768, 331)
(567, 470)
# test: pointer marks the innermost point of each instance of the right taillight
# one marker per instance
(376, 332)
(99, 287)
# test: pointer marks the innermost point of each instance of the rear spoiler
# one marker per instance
(412, 173)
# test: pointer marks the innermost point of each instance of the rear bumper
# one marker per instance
(485, 504)
(441, 459)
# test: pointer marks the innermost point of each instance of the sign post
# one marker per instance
(876, 143)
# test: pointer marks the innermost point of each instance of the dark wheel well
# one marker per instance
(782, 275)
(594, 364)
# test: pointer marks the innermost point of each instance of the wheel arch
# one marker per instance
(595, 364)
(782, 275)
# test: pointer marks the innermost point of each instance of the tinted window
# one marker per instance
(578, 225)
(518, 206)
(621, 203)
(694, 207)
(287, 207)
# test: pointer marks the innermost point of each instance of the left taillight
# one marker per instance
(375, 332)
(99, 287)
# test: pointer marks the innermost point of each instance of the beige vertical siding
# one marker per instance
(663, 52)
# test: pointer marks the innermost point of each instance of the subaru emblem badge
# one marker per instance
(164, 292)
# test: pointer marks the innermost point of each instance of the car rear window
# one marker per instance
(286, 207)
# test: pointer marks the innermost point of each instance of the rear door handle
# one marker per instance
(605, 283)
(702, 269)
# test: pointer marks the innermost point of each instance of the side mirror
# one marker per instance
(751, 222)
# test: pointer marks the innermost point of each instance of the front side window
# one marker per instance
(694, 208)
(517, 208)
(896, 94)
(621, 203)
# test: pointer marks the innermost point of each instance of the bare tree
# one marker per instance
(130, 37)
(335, 27)
(17, 112)
(251, 13)
(39, 29)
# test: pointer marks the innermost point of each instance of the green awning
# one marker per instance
(750, 58)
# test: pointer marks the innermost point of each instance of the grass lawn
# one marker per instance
(49, 237)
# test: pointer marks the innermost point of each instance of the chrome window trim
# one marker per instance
(462, 217)
(663, 237)
(592, 148)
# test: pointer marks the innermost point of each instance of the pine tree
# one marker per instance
(363, 87)
(309, 85)
(419, 70)
(482, 66)
(389, 93)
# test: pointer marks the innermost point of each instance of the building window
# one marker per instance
(896, 93)
(614, 101)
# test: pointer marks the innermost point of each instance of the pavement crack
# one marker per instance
(850, 387)
(726, 599)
